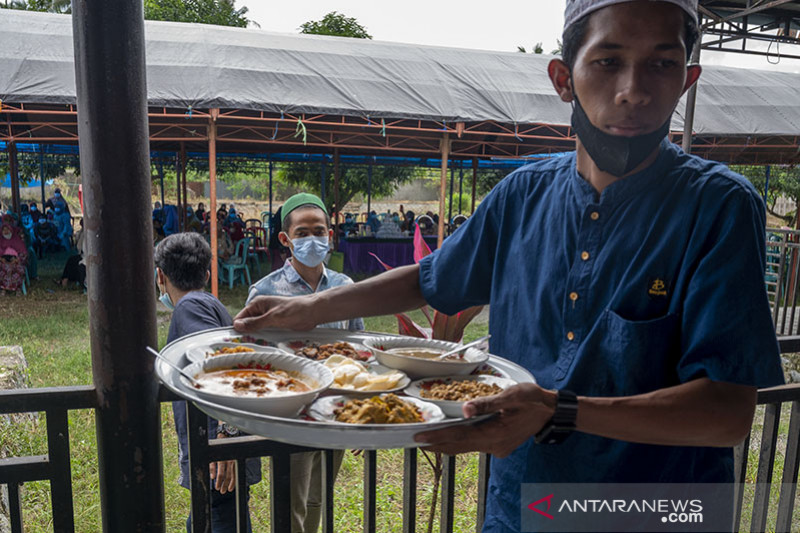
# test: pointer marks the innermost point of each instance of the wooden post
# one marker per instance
(474, 182)
(13, 169)
(445, 149)
(691, 102)
(111, 90)
(212, 192)
(336, 175)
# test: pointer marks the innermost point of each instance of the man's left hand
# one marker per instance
(522, 410)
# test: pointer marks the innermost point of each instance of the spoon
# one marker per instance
(164, 360)
(462, 348)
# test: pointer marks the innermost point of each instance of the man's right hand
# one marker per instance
(276, 312)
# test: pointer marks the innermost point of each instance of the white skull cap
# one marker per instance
(577, 9)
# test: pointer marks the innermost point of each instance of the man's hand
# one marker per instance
(276, 312)
(224, 475)
(522, 411)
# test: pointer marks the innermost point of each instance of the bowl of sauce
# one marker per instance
(419, 358)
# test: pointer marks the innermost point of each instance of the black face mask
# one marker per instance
(615, 154)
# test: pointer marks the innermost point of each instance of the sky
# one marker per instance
(488, 25)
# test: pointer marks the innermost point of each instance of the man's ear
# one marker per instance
(284, 239)
(330, 234)
(561, 78)
(692, 74)
(208, 275)
(160, 277)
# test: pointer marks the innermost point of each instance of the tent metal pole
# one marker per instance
(322, 181)
(115, 167)
(161, 180)
(181, 209)
(13, 169)
(474, 182)
(460, 185)
(183, 179)
(767, 173)
(369, 186)
(42, 174)
(452, 180)
(337, 207)
(270, 189)
(691, 102)
(212, 192)
(445, 149)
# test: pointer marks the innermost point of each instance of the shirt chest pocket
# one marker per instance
(637, 355)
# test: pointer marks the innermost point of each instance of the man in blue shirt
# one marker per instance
(627, 277)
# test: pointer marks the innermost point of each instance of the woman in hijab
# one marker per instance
(13, 257)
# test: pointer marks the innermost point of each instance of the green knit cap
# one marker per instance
(300, 200)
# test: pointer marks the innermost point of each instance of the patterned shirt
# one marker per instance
(287, 282)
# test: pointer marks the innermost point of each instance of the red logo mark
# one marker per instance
(549, 500)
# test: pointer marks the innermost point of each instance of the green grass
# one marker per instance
(52, 326)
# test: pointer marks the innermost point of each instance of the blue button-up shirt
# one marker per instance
(287, 282)
(657, 281)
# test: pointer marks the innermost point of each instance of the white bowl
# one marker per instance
(416, 367)
(450, 407)
(317, 376)
(196, 355)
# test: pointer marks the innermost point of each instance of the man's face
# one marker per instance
(630, 71)
(305, 222)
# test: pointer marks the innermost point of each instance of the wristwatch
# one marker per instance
(228, 431)
(562, 424)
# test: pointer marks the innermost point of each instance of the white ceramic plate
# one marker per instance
(373, 368)
(323, 410)
(452, 408)
(197, 355)
(416, 367)
(293, 345)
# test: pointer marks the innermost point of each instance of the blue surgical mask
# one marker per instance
(166, 300)
(310, 251)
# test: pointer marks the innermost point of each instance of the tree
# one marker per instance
(218, 12)
(352, 179)
(537, 49)
(336, 24)
(784, 181)
(28, 165)
(51, 6)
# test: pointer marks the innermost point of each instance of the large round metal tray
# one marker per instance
(302, 431)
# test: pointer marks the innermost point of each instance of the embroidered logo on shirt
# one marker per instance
(657, 287)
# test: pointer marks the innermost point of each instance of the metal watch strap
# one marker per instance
(562, 423)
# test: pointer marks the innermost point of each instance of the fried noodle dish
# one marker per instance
(388, 409)
(320, 352)
(458, 391)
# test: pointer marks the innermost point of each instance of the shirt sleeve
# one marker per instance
(727, 330)
(193, 316)
(459, 274)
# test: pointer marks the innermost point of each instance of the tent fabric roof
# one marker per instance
(206, 66)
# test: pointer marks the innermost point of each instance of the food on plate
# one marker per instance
(319, 352)
(425, 353)
(350, 374)
(458, 390)
(253, 381)
(231, 349)
(388, 409)
(249, 339)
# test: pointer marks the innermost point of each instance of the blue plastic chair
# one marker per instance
(236, 267)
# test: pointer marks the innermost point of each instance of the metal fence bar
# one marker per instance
(328, 479)
(448, 493)
(484, 466)
(280, 476)
(42, 399)
(740, 460)
(61, 474)
(242, 496)
(199, 481)
(22, 469)
(410, 490)
(766, 461)
(790, 467)
(370, 489)
(15, 507)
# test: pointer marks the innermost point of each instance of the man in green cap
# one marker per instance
(306, 231)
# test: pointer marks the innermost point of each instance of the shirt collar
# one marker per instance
(292, 275)
(629, 186)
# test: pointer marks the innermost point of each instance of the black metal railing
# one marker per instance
(55, 466)
(782, 279)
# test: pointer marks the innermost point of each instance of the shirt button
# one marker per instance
(585, 256)
(573, 296)
(570, 336)
(595, 215)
